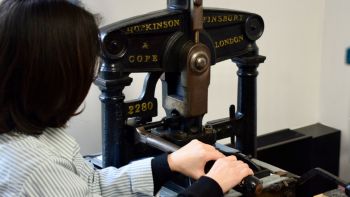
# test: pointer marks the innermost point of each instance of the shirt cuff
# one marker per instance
(161, 171)
(203, 187)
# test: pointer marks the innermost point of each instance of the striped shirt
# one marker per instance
(50, 165)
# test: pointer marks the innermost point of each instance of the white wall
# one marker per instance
(335, 80)
(290, 94)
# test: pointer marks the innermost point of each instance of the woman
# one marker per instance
(48, 52)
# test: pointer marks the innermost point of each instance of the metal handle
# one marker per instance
(249, 185)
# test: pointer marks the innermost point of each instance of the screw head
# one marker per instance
(199, 61)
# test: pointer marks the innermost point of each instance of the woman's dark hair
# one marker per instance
(48, 52)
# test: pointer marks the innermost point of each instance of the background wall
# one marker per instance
(335, 80)
(303, 81)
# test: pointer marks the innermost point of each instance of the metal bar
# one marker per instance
(155, 141)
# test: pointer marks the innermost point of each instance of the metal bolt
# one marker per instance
(200, 63)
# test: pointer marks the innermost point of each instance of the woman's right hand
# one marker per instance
(190, 160)
(229, 172)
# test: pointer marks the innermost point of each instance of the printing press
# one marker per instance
(178, 46)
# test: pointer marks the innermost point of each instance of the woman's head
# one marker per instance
(48, 51)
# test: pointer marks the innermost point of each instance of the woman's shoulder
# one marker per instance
(27, 150)
(59, 142)
(21, 155)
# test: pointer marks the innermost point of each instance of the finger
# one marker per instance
(243, 165)
(251, 172)
(214, 155)
(232, 158)
(209, 147)
(238, 163)
(244, 168)
(246, 171)
(193, 142)
(203, 146)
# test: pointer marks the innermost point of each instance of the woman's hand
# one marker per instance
(190, 160)
(229, 172)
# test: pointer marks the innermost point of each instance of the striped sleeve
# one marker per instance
(54, 180)
(134, 179)
(51, 179)
(55, 167)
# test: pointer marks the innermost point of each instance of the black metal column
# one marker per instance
(246, 104)
(111, 84)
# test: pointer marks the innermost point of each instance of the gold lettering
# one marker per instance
(129, 30)
(150, 105)
(140, 107)
(144, 106)
(229, 41)
(176, 23)
(145, 45)
(213, 19)
(223, 18)
(143, 58)
(153, 26)
(147, 58)
(139, 59)
(148, 27)
(154, 58)
(219, 19)
(165, 24)
(131, 59)
(159, 25)
(137, 108)
(131, 110)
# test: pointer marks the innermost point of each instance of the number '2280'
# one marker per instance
(140, 107)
